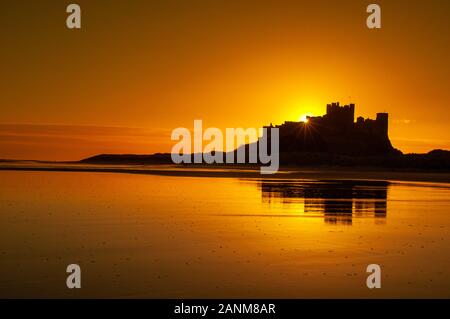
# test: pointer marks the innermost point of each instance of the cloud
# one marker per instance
(403, 121)
(73, 142)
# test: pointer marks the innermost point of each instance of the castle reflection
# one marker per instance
(337, 201)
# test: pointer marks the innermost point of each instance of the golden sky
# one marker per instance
(138, 69)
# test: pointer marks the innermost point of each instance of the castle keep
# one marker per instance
(337, 132)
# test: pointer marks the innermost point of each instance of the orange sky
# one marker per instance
(138, 69)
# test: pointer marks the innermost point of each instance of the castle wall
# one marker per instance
(336, 132)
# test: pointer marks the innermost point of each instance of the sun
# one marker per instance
(304, 117)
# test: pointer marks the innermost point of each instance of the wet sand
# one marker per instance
(236, 171)
(154, 236)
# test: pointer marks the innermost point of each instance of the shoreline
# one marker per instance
(236, 172)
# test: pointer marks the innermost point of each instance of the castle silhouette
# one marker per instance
(333, 139)
(336, 132)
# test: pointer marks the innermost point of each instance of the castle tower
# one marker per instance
(382, 123)
(351, 112)
(340, 116)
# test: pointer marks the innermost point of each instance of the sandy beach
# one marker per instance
(353, 173)
(165, 233)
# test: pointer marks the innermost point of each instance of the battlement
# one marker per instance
(340, 116)
(337, 132)
(334, 109)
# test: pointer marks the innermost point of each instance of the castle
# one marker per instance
(336, 132)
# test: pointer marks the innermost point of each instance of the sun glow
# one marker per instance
(304, 117)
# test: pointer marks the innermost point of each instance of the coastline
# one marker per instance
(252, 172)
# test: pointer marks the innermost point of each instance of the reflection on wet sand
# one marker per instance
(337, 201)
(152, 236)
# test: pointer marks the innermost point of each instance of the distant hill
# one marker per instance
(434, 160)
(158, 158)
